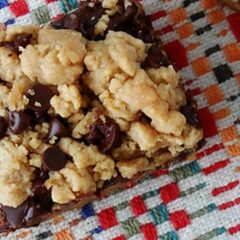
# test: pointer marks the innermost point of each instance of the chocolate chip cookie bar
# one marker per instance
(86, 103)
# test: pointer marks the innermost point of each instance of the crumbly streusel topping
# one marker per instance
(75, 113)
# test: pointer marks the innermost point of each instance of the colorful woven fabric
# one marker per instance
(192, 200)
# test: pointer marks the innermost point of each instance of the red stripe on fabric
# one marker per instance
(160, 172)
(149, 231)
(195, 92)
(208, 122)
(229, 204)
(229, 186)
(138, 206)
(169, 192)
(107, 218)
(177, 53)
(233, 21)
(157, 15)
(167, 29)
(189, 82)
(235, 229)
(216, 166)
(210, 150)
(119, 238)
(50, 1)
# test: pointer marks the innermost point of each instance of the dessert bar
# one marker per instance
(87, 104)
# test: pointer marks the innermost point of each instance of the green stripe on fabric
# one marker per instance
(131, 226)
(41, 14)
(68, 5)
(150, 194)
(211, 207)
(193, 189)
(169, 236)
(121, 206)
(185, 171)
(158, 214)
(215, 232)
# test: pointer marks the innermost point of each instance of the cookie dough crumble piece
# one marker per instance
(79, 180)
(128, 168)
(16, 98)
(101, 25)
(35, 160)
(85, 156)
(129, 149)
(110, 4)
(14, 30)
(116, 108)
(79, 152)
(9, 65)
(4, 93)
(60, 189)
(15, 174)
(42, 128)
(81, 123)
(128, 52)
(68, 101)
(146, 136)
(69, 181)
(56, 59)
(33, 141)
(100, 65)
(164, 75)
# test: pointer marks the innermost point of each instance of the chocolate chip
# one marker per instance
(111, 133)
(19, 40)
(191, 116)
(70, 21)
(3, 127)
(104, 134)
(22, 40)
(82, 20)
(94, 136)
(38, 189)
(41, 175)
(39, 97)
(37, 117)
(54, 159)
(57, 129)
(118, 21)
(201, 143)
(90, 17)
(15, 216)
(143, 28)
(156, 57)
(18, 122)
(132, 21)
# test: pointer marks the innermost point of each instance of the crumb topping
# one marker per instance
(80, 108)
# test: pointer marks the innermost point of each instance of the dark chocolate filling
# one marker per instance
(129, 20)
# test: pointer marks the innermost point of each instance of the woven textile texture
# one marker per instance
(192, 200)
